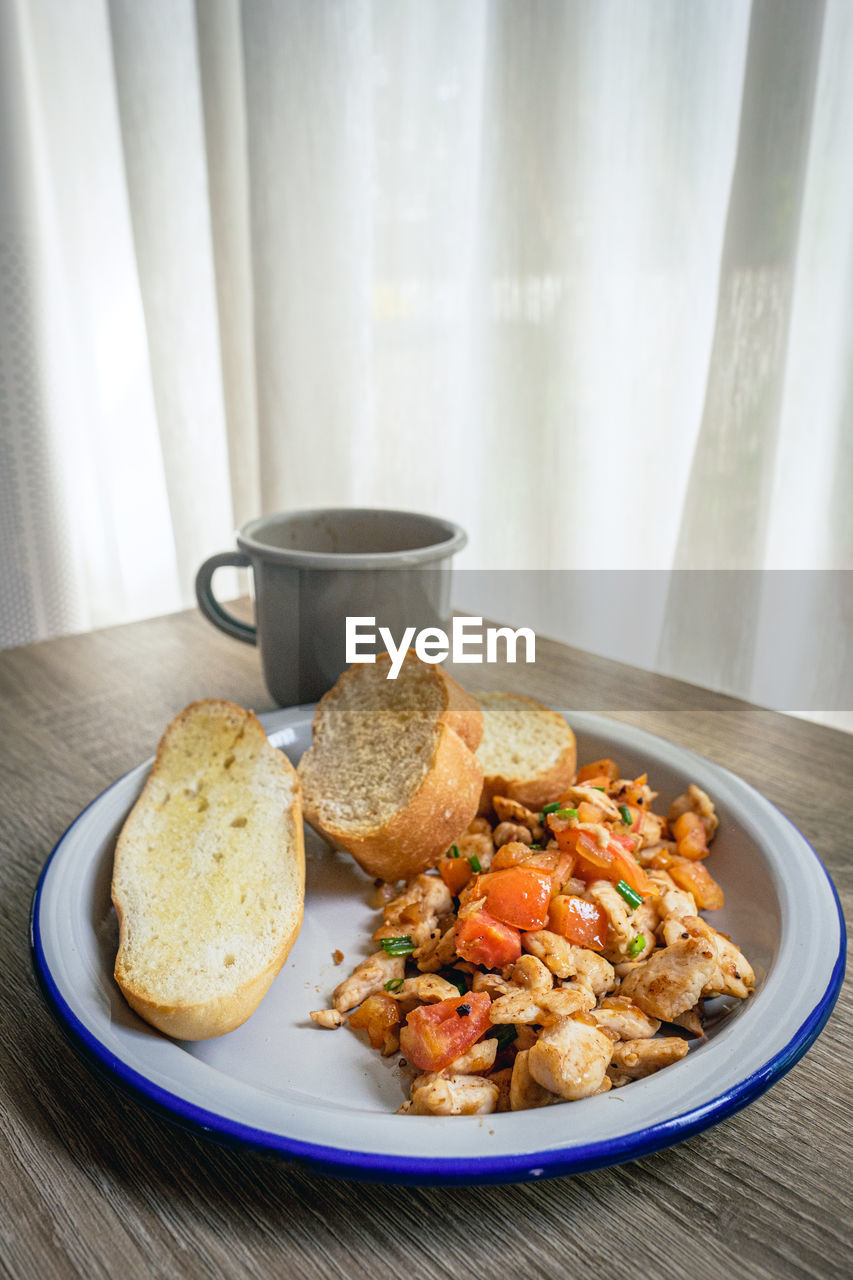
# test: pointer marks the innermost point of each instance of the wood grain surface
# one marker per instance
(95, 1186)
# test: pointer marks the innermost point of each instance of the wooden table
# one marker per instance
(95, 1186)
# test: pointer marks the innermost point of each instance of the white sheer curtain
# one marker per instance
(575, 274)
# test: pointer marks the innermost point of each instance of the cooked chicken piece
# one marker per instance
(672, 979)
(616, 1077)
(640, 1058)
(480, 1057)
(513, 811)
(620, 931)
(600, 799)
(737, 971)
(651, 827)
(329, 1018)
(695, 800)
(503, 1080)
(674, 903)
(453, 1095)
(645, 922)
(532, 974)
(691, 1021)
(425, 899)
(525, 1036)
(621, 1019)
(567, 961)
(542, 1007)
(367, 979)
(427, 988)
(648, 854)
(493, 983)
(593, 971)
(552, 949)
(437, 952)
(735, 976)
(477, 846)
(512, 833)
(570, 1058)
(633, 790)
(525, 1092)
(385, 891)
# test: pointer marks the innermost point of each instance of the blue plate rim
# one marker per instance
(425, 1170)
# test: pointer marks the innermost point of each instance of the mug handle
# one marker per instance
(210, 606)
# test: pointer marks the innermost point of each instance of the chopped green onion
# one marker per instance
(457, 977)
(475, 864)
(401, 945)
(504, 1035)
(633, 899)
(393, 984)
(551, 808)
(566, 813)
(638, 944)
(599, 788)
(626, 815)
(453, 851)
(536, 847)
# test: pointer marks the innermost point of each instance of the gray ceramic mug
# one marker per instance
(313, 569)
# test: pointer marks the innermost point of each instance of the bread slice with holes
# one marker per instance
(209, 874)
(528, 752)
(392, 776)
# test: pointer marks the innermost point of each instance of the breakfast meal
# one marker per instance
(540, 957)
(209, 874)
(541, 936)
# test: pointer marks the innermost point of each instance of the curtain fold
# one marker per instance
(574, 274)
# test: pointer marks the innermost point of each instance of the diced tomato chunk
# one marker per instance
(509, 855)
(455, 872)
(435, 1034)
(582, 923)
(518, 896)
(689, 832)
(696, 879)
(603, 771)
(608, 862)
(484, 940)
(590, 812)
(378, 1016)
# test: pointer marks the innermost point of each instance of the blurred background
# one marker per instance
(573, 273)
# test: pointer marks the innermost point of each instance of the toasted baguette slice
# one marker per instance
(209, 874)
(392, 777)
(528, 751)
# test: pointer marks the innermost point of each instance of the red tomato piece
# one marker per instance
(435, 1034)
(603, 771)
(689, 832)
(455, 872)
(697, 879)
(609, 862)
(484, 940)
(518, 896)
(582, 923)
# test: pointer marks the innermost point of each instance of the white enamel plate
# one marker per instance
(283, 1084)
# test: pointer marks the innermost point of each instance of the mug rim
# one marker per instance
(249, 540)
